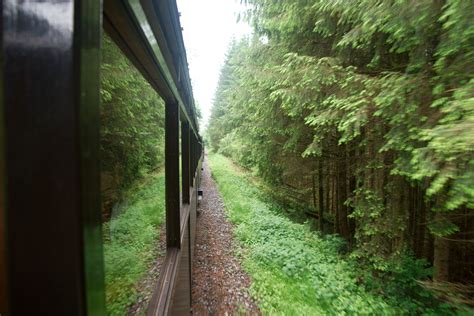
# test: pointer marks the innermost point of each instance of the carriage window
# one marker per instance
(132, 183)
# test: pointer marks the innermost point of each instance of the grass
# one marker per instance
(130, 239)
(296, 271)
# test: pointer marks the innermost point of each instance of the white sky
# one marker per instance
(208, 28)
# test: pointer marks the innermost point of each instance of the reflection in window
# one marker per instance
(132, 182)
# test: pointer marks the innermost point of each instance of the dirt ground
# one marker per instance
(220, 286)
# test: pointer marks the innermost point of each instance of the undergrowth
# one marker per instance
(296, 271)
(130, 241)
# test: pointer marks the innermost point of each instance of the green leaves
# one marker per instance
(296, 271)
(132, 119)
(132, 141)
(442, 227)
(381, 93)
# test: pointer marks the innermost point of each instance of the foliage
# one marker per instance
(132, 148)
(132, 118)
(379, 93)
(296, 271)
(130, 241)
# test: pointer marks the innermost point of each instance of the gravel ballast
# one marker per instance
(220, 285)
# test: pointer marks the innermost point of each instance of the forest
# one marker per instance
(331, 173)
(358, 116)
(341, 142)
(132, 177)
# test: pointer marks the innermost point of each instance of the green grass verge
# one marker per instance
(294, 270)
(130, 239)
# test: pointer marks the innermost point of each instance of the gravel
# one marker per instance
(220, 285)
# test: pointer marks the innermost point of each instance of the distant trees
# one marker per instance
(367, 108)
(132, 125)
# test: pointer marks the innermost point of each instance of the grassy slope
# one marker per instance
(130, 241)
(295, 271)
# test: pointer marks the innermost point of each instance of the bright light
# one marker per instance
(208, 28)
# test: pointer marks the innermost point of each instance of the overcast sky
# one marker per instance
(208, 28)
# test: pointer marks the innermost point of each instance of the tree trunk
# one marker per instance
(351, 159)
(441, 257)
(420, 226)
(334, 200)
(342, 195)
(321, 195)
